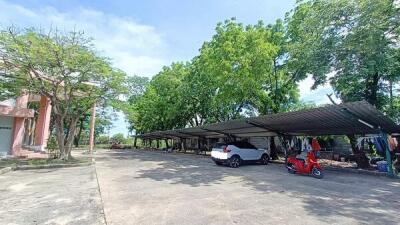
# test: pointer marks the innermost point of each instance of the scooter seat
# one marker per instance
(301, 160)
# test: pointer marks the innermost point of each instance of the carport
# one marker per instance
(354, 118)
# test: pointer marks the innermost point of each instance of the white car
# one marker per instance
(236, 153)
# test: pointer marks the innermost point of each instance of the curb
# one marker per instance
(5, 170)
(51, 166)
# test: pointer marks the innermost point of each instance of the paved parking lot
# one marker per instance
(141, 187)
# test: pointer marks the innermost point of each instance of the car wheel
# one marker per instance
(317, 173)
(234, 162)
(218, 163)
(264, 159)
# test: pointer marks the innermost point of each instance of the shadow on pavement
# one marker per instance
(367, 199)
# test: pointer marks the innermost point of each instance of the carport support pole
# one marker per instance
(388, 157)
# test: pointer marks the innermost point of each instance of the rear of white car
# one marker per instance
(236, 153)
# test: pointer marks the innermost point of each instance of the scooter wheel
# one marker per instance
(317, 173)
(291, 169)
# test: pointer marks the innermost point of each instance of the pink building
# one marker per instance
(19, 128)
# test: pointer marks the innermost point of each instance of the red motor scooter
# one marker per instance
(295, 165)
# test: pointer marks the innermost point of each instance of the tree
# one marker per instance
(63, 67)
(136, 87)
(160, 106)
(242, 71)
(353, 45)
(356, 41)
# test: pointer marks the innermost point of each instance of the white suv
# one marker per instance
(236, 153)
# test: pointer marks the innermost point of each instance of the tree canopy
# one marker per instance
(241, 71)
(352, 44)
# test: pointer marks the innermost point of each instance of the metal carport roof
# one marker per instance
(346, 118)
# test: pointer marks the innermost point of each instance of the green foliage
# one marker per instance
(103, 124)
(354, 40)
(118, 139)
(242, 71)
(52, 147)
(136, 87)
(103, 139)
(159, 108)
(301, 106)
(246, 70)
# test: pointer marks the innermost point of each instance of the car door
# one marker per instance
(254, 153)
(242, 151)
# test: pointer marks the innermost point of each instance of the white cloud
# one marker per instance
(132, 47)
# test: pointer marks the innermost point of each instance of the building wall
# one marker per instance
(260, 142)
(6, 132)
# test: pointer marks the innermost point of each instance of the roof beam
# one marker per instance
(265, 127)
(190, 134)
(219, 132)
(360, 120)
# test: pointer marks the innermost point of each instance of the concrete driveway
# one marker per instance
(141, 187)
(51, 196)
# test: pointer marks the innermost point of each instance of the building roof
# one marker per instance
(346, 118)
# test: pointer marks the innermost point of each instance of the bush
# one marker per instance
(118, 139)
(103, 139)
(52, 147)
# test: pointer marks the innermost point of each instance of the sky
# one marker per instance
(140, 37)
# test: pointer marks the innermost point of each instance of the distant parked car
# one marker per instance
(236, 153)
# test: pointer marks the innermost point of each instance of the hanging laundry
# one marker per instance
(378, 144)
(392, 145)
(398, 144)
(315, 145)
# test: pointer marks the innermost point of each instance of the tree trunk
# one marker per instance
(71, 136)
(65, 144)
(372, 90)
(135, 142)
(274, 151)
(166, 143)
(59, 124)
(359, 156)
(78, 136)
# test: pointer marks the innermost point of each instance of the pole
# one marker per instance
(91, 134)
(388, 157)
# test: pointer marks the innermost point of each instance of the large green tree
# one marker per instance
(242, 70)
(136, 86)
(63, 67)
(160, 106)
(352, 44)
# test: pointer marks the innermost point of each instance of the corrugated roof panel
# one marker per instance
(346, 118)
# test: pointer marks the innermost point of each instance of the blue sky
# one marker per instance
(142, 36)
